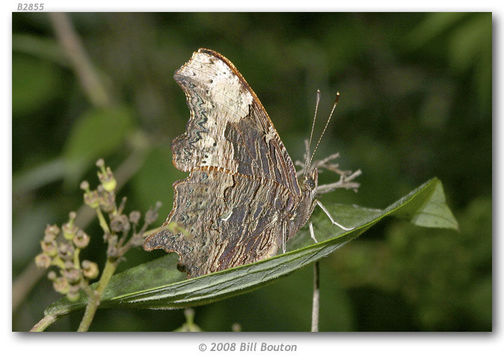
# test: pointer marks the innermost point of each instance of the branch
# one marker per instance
(44, 323)
(76, 54)
(94, 300)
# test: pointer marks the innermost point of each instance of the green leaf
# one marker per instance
(154, 180)
(470, 41)
(434, 24)
(38, 176)
(42, 47)
(34, 84)
(429, 209)
(97, 133)
(158, 285)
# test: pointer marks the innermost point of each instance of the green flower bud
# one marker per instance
(109, 183)
(92, 199)
(73, 296)
(50, 233)
(90, 269)
(110, 239)
(106, 176)
(134, 217)
(106, 199)
(72, 275)
(48, 238)
(81, 239)
(61, 285)
(69, 228)
(51, 275)
(49, 247)
(84, 185)
(65, 251)
(119, 223)
(43, 261)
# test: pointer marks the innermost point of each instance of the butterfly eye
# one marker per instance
(310, 183)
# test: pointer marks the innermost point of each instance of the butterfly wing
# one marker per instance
(241, 181)
(230, 220)
(228, 127)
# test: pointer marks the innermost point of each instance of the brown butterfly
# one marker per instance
(242, 200)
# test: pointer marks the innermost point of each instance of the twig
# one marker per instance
(73, 49)
(316, 297)
(44, 323)
(94, 301)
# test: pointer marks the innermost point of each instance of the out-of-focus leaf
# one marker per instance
(34, 84)
(41, 47)
(145, 286)
(96, 133)
(433, 25)
(38, 176)
(469, 39)
(483, 79)
(27, 231)
(154, 180)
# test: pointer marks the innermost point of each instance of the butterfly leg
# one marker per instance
(284, 236)
(312, 233)
(342, 184)
(317, 202)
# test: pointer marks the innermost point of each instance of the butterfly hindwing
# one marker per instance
(228, 219)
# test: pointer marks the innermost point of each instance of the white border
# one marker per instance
(167, 345)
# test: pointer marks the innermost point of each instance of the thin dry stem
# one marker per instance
(75, 52)
(316, 297)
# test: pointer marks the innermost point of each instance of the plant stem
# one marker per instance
(102, 221)
(316, 297)
(78, 57)
(94, 301)
(44, 323)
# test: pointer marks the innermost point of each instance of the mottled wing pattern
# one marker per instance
(228, 127)
(231, 219)
(242, 182)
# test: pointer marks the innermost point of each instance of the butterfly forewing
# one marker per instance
(242, 182)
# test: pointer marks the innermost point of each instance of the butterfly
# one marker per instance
(243, 198)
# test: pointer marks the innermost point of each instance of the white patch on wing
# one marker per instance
(227, 216)
(224, 86)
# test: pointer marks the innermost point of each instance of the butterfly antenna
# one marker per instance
(308, 160)
(326, 125)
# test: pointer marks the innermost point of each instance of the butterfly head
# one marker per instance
(310, 180)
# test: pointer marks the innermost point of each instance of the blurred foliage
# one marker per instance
(416, 103)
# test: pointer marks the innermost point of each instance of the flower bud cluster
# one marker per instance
(104, 196)
(61, 248)
(121, 231)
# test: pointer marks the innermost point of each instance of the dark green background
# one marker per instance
(416, 103)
